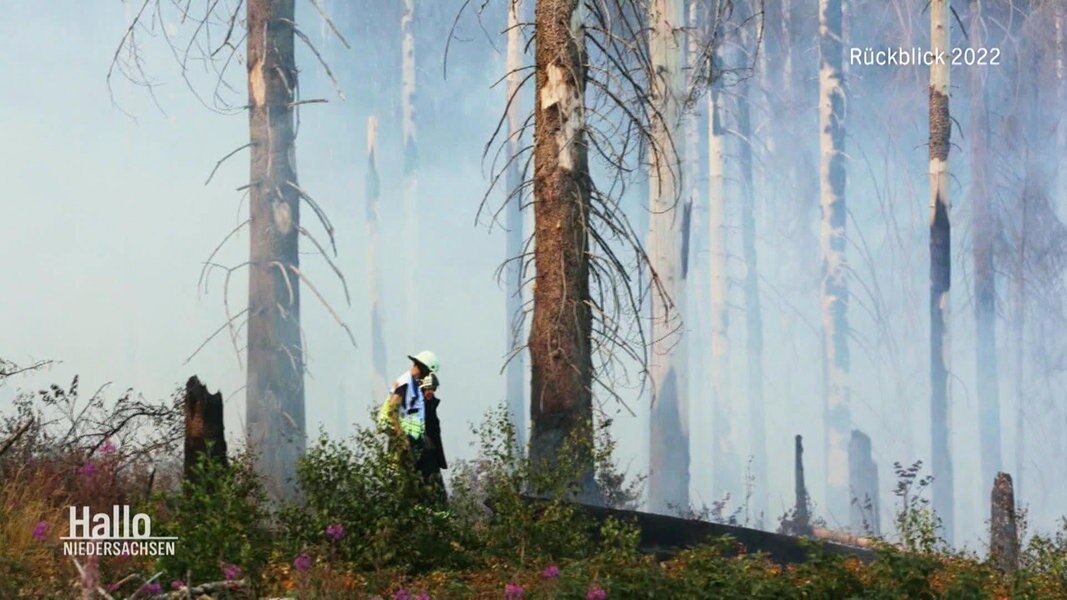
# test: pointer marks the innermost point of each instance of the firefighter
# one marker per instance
(430, 455)
(405, 409)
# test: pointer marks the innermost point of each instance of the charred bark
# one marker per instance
(275, 384)
(1003, 531)
(205, 434)
(561, 329)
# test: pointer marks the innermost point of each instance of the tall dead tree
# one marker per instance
(561, 329)
(753, 311)
(516, 368)
(275, 384)
(983, 250)
(726, 478)
(669, 421)
(832, 179)
(379, 380)
(1059, 201)
(940, 266)
(410, 183)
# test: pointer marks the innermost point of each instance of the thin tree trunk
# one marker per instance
(379, 380)
(940, 267)
(983, 247)
(726, 478)
(1019, 330)
(410, 183)
(561, 403)
(516, 368)
(832, 179)
(275, 385)
(1059, 201)
(753, 314)
(669, 453)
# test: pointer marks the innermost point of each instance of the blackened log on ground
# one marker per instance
(1003, 533)
(664, 536)
(204, 431)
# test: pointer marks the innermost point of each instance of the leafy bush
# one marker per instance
(220, 518)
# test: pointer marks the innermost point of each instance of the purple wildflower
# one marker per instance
(595, 593)
(151, 588)
(107, 447)
(302, 562)
(513, 591)
(550, 571)
(401, 594)
(40, 529)
(87, 469)
(335, 531)
(177, 584)
(231, 571)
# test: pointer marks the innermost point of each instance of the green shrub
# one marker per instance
(220, 518)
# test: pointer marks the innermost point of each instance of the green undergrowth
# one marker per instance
(366, 526)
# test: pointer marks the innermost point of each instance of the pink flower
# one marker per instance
(177, 584)
(40, 529)
(108, 447)
(550, 572)
(151, 588)
(302, 562)
(401, 594)
(513, 591)
(335, 531)
(231, 571)
(87, 469)
(595, 593)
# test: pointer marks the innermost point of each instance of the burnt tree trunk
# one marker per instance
(205, 434)
(834, 293)
(561, 402)
(940, 269)
(801, 524)
(275, 385)
(1003, 532)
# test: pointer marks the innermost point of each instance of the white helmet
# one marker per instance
(427, 358)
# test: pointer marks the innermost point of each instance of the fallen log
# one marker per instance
(665, 536)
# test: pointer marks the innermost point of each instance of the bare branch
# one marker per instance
(223, 159)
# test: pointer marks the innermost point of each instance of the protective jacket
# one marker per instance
(411, 411)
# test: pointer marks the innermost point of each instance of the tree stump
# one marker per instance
(801, 522)
(863, 486)
(204, 432)
(1003, 533)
